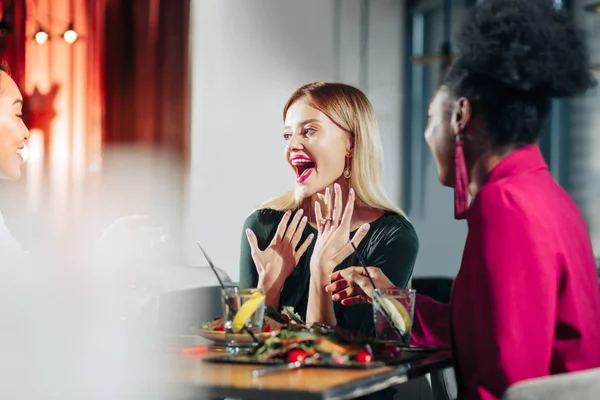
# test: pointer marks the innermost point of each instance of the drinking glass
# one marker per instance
(399, 304)
(242, 307)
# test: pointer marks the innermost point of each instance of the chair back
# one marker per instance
(582, 385)
(182, 298)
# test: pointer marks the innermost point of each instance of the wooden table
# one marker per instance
(188, 377)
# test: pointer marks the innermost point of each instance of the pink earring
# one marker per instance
(461, 180)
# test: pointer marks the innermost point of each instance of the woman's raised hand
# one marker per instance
(275, 263)
(333, 243)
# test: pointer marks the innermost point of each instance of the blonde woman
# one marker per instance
(293, 243)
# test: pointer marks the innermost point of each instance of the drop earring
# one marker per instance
(347, 170)
(461, 180)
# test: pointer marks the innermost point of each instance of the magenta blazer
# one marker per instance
(526, 301)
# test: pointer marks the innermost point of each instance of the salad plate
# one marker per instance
(273, 322)
(325, 348)
(218, 337)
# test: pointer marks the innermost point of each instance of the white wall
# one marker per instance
(584, 133)
(248, 56)
(432, 211)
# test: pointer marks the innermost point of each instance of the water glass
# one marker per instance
(400, 305)
(248, 305)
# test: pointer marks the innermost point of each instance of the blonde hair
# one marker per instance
(351, 111)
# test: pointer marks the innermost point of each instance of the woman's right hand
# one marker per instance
(275, 263)
(353, 286)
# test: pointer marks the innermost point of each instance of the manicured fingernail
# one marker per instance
(300, 211)
(365, 227)
(335, 297)
(304, 218)
(352, 191)
(247, 231)
(336, 186)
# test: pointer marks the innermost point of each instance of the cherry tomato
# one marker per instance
(220, 328)
(266, 328)
(363, 357)
(296, 355)
(390, 351)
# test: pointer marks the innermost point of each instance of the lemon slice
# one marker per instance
(246, 311)
(398, 314)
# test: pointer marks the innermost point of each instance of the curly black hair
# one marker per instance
(513, 56)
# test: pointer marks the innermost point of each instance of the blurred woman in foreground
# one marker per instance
(13, 139)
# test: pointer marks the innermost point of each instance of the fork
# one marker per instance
(293, 316)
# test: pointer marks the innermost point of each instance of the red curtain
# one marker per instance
(147, 76)
(12, 44)
(95, 56)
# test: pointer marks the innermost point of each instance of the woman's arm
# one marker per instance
(320, 306)
(394, 256)
(333, 246)
(511, 277)
(267, 258)
(431, 323)
(261, 223)
(393, 262)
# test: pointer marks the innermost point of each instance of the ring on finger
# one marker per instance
(325, 220)
(352, 287)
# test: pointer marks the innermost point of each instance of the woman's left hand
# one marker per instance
(333, 244)
(353, 286)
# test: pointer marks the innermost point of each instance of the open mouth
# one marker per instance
(304, 168)
(22, 153)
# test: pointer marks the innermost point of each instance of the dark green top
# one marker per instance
(391, 244)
